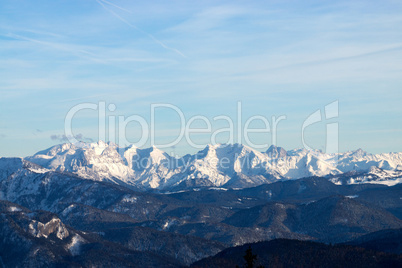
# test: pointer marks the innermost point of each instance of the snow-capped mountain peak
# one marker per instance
(276, 152)
(229, 165)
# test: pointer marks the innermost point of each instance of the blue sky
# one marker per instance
(276, 57)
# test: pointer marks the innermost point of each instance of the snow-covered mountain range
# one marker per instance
(221, 165)
(80, 203)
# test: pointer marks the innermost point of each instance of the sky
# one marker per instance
(205, 58)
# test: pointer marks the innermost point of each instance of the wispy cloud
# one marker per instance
(93, 53)
(37, 131)
(119, 7)
(64, 138)
(76, 50)
(102, 3)
(211, 18)
(28, 31)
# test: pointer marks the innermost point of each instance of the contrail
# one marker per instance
(78, 52)
(135, 27)
(116, 6)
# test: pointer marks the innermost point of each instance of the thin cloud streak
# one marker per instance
(84, 54)
(116, 6)
(328, 60)
(77, 52)
(138, 29)
(63, 138)
(32, 31)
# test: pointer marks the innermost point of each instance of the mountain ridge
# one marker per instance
(220, 165)
(202, 220)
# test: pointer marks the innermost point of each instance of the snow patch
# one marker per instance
(68, 210)
(38, 170)
(75, 246)
(129, 199)
(38, 229)
(14, 209)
